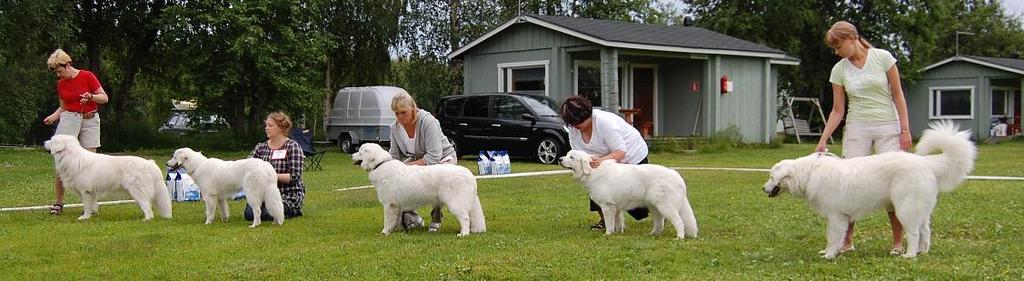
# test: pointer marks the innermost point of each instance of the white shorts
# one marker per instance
(859, 138)
(86, 130)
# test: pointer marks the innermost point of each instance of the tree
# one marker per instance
(29, 89)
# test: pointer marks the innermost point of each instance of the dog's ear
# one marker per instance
(584, 164)
(56, 145)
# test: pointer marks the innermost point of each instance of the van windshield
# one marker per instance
(543, 105)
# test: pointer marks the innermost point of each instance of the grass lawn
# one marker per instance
(537, 229)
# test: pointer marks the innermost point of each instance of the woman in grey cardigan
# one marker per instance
(416, 139)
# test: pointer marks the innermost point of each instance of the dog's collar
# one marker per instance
(378, 165)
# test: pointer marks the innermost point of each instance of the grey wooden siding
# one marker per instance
(520, 42)
(744, 107)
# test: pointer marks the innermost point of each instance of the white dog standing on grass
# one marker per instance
(619, 187)
(402, 187)
(92, 175)
(219, 180)
(845, 190)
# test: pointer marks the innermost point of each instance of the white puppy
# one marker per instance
(219, 180)
(93, 175)
(845, 190)
(403, 188)
(620, 187)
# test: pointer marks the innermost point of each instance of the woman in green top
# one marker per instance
(877, 121)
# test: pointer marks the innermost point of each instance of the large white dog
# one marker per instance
(402, 188)
(620, 187)
(845, 190)
(92, 175)
(219, 180)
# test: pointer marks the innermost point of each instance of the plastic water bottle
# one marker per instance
(179, 189)
(507, 161)
(484, 163)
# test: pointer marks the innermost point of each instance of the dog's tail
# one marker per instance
(477, 223)
(162, 196)
(689, 219)
(958, 153)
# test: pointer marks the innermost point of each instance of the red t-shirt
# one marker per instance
(70, 91)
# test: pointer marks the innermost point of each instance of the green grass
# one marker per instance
(537, 229)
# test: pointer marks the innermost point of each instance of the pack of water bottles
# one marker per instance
(181, 186)
(494, 162)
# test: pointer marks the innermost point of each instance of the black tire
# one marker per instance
(346, 145)
(548, 149)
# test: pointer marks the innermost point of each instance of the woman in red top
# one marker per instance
(80, 94)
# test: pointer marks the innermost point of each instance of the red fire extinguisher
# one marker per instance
(725, 84)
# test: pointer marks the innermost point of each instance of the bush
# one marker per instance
(137, 134)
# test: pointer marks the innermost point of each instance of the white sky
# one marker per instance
(1013, 7)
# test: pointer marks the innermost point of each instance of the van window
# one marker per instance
(508, 108)
(453, 107)
(476, 107)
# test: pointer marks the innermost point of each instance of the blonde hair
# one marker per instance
(282, 120)
(402, 100)
(842, 30)
(58, 58)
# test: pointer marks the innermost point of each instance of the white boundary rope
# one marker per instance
(515, 175)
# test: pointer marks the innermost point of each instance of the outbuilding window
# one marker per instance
(952, 102)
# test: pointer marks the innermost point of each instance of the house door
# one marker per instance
(644, 80)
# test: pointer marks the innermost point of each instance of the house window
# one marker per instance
(588, 82)
(523, 77)
(952, 102)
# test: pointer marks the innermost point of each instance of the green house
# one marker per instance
(668, 79)
(970, 90)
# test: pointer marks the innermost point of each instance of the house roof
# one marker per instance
(1005, 64)
(630, 35)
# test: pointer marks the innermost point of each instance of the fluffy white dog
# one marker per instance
(219, 180)
(620, 187)
(402, 188)
(845, 190)
(92, 175)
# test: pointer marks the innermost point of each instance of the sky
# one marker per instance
(1014, 7)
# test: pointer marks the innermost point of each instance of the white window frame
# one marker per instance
(505, 73)
(1008, 100)
(932, 102)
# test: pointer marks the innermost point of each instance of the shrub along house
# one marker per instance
(970, 90)
(672, 80)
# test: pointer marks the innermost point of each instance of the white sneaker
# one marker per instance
(434, 227)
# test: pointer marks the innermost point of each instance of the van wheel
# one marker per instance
(345, 143)
(548, 150)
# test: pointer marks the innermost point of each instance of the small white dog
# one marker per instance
(219, 180)
(402, 188)
(93, 175)
(620, 187)
(845, 190)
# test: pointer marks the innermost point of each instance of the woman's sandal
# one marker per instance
(57, 209)
(598, 225)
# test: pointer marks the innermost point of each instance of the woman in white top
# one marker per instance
(605, 136)
(416, 139)
(877, 120)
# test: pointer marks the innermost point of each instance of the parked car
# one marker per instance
(181, 122)
(526, 125)
(361, 114)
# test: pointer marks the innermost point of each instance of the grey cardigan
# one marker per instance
(431, 144)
